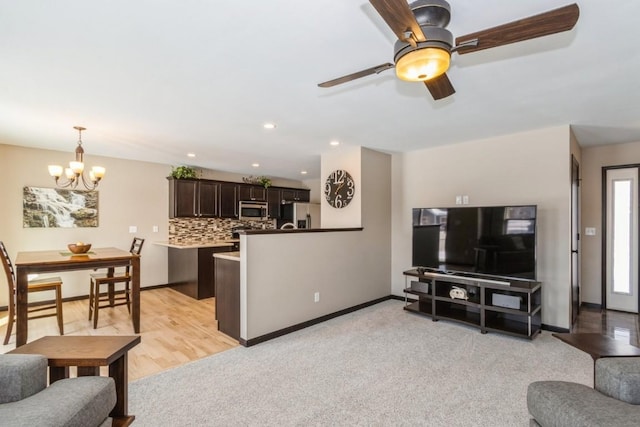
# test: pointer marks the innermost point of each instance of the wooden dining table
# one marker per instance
(30, 262)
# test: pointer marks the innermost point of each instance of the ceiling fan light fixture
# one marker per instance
(435, 13)
(423, 64)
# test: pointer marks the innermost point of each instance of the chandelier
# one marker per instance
(75, 172)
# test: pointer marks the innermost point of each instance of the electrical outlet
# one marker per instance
(590, 231)
(465, 200)
(155, 228)
(133, 229)
(316, 297)
(458, 200)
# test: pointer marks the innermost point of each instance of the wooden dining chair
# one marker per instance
(111, 297)
(36, 285)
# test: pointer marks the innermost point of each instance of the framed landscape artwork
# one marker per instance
(59, 208)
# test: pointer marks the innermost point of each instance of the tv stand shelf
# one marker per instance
(492, 304)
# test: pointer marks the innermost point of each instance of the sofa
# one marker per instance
(25, 399)
(614, 401)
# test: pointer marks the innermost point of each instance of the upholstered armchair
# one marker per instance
(614, 400)
(25, 399)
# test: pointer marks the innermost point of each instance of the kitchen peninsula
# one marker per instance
(191, 266)
(205, 216)
(285, 280)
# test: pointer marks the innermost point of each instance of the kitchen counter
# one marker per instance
(213, 244)
(191, 266)
(299, 230)
(231, 256)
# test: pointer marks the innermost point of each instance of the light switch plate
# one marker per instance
(133, 229)
(590, 231)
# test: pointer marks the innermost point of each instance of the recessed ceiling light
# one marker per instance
(255, 165)
(269, 126)
(334, 143)
(191, 154)
(303, 172)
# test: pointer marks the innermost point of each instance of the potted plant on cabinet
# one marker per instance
(264, 181)
(183, 172)
(257, 180)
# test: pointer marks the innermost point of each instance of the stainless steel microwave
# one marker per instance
(251, 210)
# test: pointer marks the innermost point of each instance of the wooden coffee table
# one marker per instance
(88, 353)
(598, 345)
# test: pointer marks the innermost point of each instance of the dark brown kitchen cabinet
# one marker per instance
(295, 195)
(227, 273)
(274, 200)
(252, 192)
(204, 198)
(208, 198)
(191, 270)
(228, 200)
(193, 198)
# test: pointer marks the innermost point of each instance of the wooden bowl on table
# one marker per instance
(79, 248)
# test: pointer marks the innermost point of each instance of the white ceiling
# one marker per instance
(152, 80)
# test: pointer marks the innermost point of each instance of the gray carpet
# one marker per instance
(380, 366)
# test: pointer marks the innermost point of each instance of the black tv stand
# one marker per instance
(492, 304)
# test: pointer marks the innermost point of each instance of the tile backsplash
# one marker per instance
(201, 230)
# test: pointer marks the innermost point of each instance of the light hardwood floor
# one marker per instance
(175, 329)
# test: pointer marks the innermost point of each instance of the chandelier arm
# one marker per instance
(69, 183)
(89, 187)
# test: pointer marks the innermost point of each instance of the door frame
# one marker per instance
(575, 239)
(603, 226)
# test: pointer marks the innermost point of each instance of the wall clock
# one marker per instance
(339, 188)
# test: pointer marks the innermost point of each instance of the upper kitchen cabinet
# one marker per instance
(252, 192)
(208, 194)
(228, 200)
(274, 200)
(295, 195)
(193, 198)
(204, 198)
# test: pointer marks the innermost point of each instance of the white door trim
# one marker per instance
(622, 269)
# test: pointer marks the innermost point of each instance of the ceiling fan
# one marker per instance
(424, 46)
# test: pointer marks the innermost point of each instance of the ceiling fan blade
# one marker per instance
(440, 87)
(373, 70)
(544, 24)
(399, 17)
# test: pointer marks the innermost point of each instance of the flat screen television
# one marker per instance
(491, 240)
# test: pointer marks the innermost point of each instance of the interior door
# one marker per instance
(621, 270)
(575, 239)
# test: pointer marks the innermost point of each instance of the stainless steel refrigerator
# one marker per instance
(299, 215)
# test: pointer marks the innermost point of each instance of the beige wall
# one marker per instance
(346, 268)
(234, 177)
(348, 158)
(132, 193)
(575, 149)
(593, 160)
(524, 168)
(315, 194)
